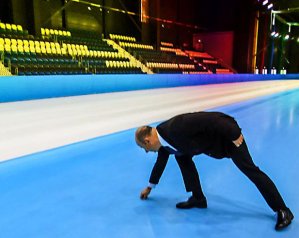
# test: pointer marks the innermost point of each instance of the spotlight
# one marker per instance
(89, 8)
(273, 33)
(265, 2)
(276, 34)
(287, 37)
(270, 6)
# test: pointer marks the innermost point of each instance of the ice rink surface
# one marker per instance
(80, 173)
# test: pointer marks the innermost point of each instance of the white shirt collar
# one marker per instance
(164, 142)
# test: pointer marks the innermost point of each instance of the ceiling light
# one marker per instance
(265, 2)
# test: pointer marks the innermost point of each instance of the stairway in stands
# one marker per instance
(4, 71)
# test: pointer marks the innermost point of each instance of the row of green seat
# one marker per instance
(29, 64)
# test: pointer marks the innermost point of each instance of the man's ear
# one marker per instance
(146, 141)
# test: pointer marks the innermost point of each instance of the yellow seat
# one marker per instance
(20, 42)
(70, 51)
(79, 52)
(49, 50)
(20, 28)
(37, 50)
(2, 26)
(43, 50)
(14, 49)
(13, 42)
(7, 41)
(8, 26)
(47, 32)
(25, 43)
(20, 49)
(27, 50)
(63, 51)
(14, 27)
(31, 43)
(7, 48)
(32, 50)
(42, 44)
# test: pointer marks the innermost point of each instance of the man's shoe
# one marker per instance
(192, 202)
(284, 218)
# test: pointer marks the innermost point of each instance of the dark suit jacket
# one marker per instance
(191, 134)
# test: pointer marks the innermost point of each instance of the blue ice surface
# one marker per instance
(91, 189)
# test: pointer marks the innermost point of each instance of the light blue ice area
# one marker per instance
(91, 189)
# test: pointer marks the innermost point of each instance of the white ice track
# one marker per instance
(33, 126)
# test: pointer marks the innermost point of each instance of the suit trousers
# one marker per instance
(242, 159)
(190, 175)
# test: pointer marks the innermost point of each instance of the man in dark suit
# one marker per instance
(212, 133)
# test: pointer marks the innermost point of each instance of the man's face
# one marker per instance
(147, 145)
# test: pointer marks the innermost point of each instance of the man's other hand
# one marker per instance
(144, 194)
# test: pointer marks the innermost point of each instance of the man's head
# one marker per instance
(147, 138)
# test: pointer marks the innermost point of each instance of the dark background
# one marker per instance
(197, 16)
